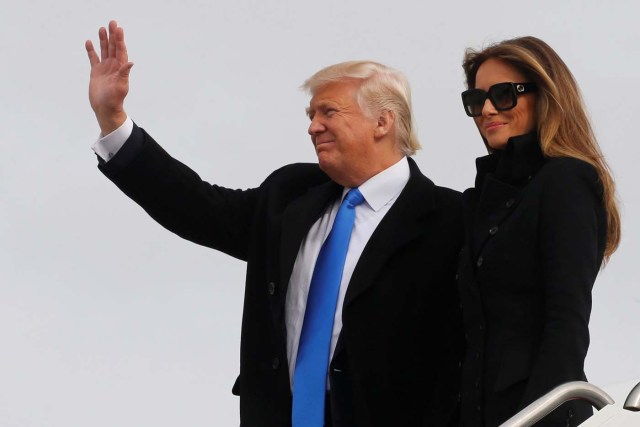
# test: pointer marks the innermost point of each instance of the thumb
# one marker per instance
(125, 69)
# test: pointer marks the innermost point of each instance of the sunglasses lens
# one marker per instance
(502, 96)
(473, 101)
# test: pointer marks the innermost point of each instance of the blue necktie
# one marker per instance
(310, 376)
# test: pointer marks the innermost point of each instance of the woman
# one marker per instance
(540, 220)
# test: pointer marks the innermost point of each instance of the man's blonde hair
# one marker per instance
(382, 89)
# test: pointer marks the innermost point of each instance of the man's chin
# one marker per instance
(328, 167)
(325, 165)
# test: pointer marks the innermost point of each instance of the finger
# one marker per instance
(104, 50)
(121, 47)
(93, 56)
(113, 27)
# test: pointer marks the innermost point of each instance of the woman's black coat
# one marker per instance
(536, 232)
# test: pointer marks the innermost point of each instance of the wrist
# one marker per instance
(111, 121)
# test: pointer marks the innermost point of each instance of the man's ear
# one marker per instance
(386, 120)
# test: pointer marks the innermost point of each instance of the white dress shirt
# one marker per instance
(380, 193)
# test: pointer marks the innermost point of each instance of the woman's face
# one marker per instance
(498, 126)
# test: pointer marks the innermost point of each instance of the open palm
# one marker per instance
(109, 82)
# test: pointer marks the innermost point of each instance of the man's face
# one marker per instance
(343, 136)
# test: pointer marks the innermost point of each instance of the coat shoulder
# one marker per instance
(448, 194)
(448, 199)
(562, 174)
(565, 167)
(449, 213)
(296, 175)
(443, 196)
(297, 170)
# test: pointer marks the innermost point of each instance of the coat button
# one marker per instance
(457, 276)
(493, 230)
(479, 262)
(275, 363)
(510, 203)
(271, 288)
(481, 327)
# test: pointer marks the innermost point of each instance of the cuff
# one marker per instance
(107, 146)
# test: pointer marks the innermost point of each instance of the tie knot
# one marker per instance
(354, 197)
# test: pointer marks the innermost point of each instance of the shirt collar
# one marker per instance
(384, 187)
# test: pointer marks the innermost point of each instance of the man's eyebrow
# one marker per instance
(320, 106)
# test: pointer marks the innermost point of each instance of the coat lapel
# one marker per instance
(295, 222)
(297, 219)
(403, 223)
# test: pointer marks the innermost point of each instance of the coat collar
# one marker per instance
(414, 202)
(515, 165)
(501, 177)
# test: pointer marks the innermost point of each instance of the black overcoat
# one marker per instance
(536, 231)
(398, 355)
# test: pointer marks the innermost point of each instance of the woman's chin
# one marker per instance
(496, 143)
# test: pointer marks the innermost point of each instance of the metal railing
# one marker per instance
(633, 400)
(577, 390)
(570, 391)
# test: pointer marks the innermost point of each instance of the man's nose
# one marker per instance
(315, 127)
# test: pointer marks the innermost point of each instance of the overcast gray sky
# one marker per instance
(107, 319)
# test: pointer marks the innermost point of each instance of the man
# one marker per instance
(350, 313)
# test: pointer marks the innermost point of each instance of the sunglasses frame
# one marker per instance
(516, 90)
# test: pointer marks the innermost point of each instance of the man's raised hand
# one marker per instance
(109, 82)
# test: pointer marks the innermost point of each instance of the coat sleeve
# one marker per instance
(572, 233)
(178, 199)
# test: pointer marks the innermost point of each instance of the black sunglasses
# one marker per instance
(503, 96)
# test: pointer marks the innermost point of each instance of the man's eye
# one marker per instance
(329, 111)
